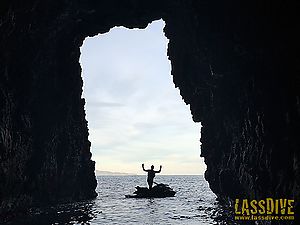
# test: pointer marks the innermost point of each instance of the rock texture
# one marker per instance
(236, 64)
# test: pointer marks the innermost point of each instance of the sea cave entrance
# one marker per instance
(134, 113)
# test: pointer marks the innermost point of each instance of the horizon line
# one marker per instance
(146, 175)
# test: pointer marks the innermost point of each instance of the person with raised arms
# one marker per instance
(151, 175)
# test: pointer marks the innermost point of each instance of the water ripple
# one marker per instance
(194, 203)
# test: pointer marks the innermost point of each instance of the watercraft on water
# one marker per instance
(158, 191)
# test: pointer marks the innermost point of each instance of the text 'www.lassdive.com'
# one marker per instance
(264, 209)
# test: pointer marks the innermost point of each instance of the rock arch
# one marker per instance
(234, 62)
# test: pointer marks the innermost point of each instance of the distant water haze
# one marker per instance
(111, 173)
(135, 114)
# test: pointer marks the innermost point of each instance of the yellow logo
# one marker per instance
(264, 209)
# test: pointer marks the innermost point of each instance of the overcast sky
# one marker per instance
(135, 114)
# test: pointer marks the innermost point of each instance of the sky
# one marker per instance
(135, 114)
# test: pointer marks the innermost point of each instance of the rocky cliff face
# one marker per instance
(236, 64)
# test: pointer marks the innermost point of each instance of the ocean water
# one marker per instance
(194, 203)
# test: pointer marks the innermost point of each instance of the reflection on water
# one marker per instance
(193, 203)
(72, 213)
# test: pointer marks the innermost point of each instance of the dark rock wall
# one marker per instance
(45, 153)
(236, 63)
(237, 66)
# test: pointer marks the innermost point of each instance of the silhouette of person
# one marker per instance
(151, 175)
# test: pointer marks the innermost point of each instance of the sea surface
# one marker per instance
(193, 204)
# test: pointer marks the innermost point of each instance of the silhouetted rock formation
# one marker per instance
(236, 63)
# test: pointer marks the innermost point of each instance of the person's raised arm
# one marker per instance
(144, 167)
(159, 169)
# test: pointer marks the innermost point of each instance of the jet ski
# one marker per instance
(158, 191)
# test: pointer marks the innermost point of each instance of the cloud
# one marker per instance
(105, 104)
